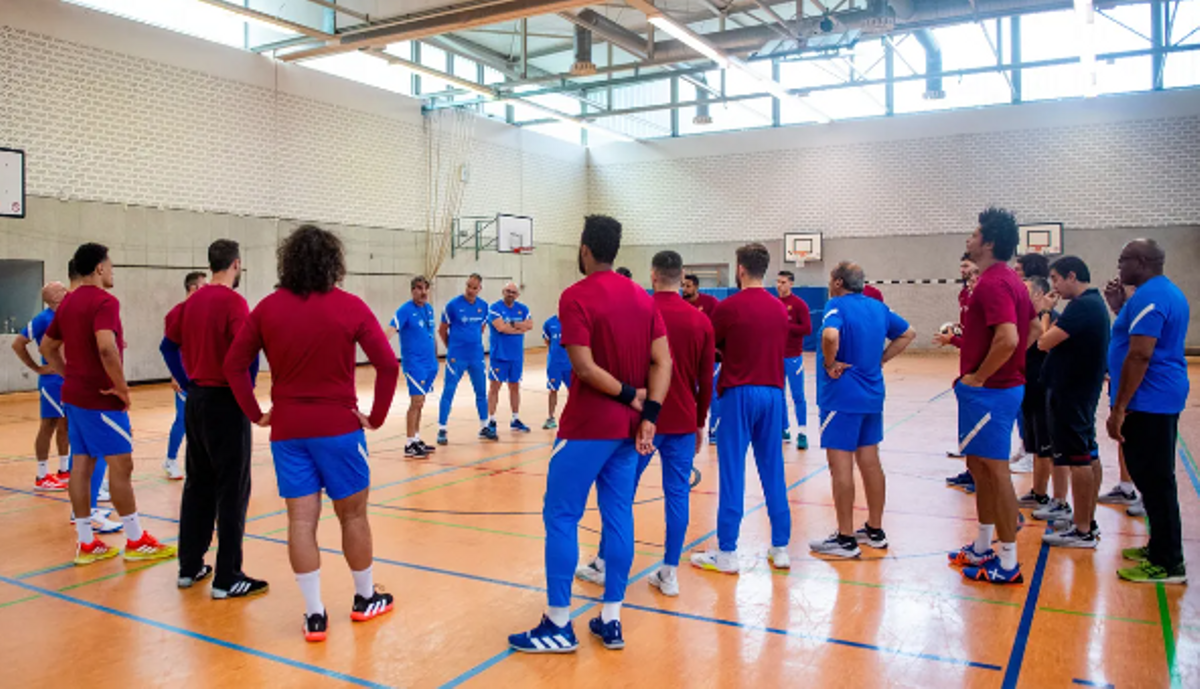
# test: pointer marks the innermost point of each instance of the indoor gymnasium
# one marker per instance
(623, 343)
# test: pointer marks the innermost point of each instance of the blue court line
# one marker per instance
(1089, 683)
(823, 639)
(1185, 455)
(418, 477)
(1013, 672)
(332, 674)
(941, 394)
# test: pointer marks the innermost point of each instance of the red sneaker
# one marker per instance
(148, 548)
(49, 484)
(63, 477)
(97, 550)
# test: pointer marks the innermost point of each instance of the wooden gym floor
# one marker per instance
(458, 539)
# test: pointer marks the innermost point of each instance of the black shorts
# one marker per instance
(1072, 423)
(1036, 432)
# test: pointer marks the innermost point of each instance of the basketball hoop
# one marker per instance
(523, 250)
(801, 258)
(1039, 249)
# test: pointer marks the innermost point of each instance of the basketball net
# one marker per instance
(801, 258)
(1036, 249)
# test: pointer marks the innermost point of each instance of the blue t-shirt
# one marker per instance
(36, 329)
(1159, 310)
(507, 347)
(466, 321)
(415, 325)
(864, 327)
(552, 333)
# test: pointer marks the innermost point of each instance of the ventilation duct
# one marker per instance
(933, 64)
(583, 67)
(702, 117)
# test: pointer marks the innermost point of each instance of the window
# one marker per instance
(186, 16)
(364, 69)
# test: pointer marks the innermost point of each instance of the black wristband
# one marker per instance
(650, 410)
(627, 395)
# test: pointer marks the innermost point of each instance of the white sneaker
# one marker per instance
(1057, 510)
(1022, 465)
(101, 523)
(667, 584)
(779, 558)
(174, 472)
(716, 561)
(833, 546)
(592, 572)
(1137, 509)
(1070, 538)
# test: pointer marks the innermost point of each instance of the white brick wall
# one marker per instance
(104, 126)
(1136, 173)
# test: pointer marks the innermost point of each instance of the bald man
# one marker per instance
(508, 320)
(54, 423)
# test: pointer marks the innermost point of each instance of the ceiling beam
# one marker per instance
(269, 19)
(341, 9)
(417, 26)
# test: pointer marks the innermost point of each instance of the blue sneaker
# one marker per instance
(967, 557)
(991, 572)
(519, 427)
(964, 481)
(488, 433)
(787, 436)
(609, 633)
(801, 442)
(442, 439)
(547, 637)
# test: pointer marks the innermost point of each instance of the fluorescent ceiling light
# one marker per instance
(693, 40)
(1086, 36)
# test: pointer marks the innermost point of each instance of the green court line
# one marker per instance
(1098, 616)
(475, 477)
(491, 531)
(1168, 632)
(26, 599)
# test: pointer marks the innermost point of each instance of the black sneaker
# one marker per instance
(241, 588)
(488, 433)
(875, 538)
(429, 449)
(442, 439)
(315, 627)
(369, 608)
(415, 450)
(187, 582)
(609, 633)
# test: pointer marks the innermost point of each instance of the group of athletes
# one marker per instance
(648, 374)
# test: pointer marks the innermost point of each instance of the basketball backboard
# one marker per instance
(514, 234)
(12, 183)
(1041, 238)
(801, 247)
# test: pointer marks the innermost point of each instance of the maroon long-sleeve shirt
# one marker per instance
(751, 330)
(690, 336)
(799, 325)
(310, 346)
(204, 326)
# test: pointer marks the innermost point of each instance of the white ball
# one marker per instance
(950, 329)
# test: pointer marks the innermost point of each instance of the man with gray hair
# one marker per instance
(850, 393)
(509, 321)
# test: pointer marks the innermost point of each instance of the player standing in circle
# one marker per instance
(418, 357)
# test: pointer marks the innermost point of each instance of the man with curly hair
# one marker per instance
(311, 330)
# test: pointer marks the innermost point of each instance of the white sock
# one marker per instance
(83, 528)
(599, 563)
(441, 427)
(983, 540)
(1008, 555)
(43, 468)
(133, 526)
(668, 571)
(491, 419)
(310, 588)
(412, 440)
(515, 418)
(1126, 486)
(64, 463)
(417, 437)
(364, 583)
(559, 616)
(610, 612)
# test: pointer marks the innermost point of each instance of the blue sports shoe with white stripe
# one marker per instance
(519, 427)
(609, 633)
(547, 637)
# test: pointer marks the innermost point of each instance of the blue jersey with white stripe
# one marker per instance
(415, 325)
(1159, 310)
(864, 327)
(36, 329)
(466, 321)
(552, 333)
(507, 347)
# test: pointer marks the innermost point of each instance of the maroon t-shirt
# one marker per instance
(872, 292)
(76, 322)
(751, 328)
(690, 336)
(704, 303)
(310, 346)
(616, 319)
(999, 297)
(204, 326)
(799, 325)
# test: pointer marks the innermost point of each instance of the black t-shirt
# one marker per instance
(1035, 358)
(1076, 367)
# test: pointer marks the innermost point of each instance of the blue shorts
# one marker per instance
(557, 377)
(50, 392)
(985, 420)
(96, 433)
(420, 379)
(337, 463)
(848, 431)
(506, 371)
